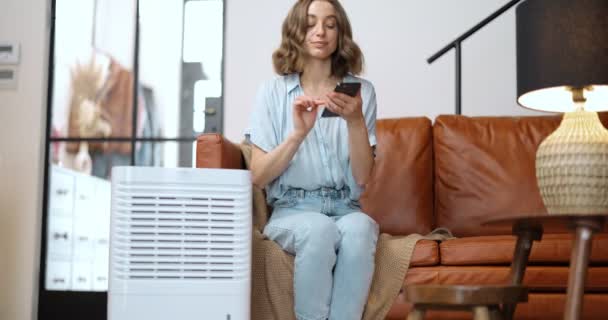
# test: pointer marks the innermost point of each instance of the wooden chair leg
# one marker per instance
(481, 313)
(495, 313)
(508, 311)
(416, 314)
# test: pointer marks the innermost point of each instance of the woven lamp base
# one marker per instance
(572, 166)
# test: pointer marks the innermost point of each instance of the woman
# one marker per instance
(314, 168)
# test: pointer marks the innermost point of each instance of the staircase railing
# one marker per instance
(457, 46)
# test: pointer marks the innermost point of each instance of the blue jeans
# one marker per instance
(334, 244)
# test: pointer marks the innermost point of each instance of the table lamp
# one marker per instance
(562, 66)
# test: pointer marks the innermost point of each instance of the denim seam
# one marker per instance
(290, 203)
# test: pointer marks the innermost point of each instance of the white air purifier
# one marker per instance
(180, 244)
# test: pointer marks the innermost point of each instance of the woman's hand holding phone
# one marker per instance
(305, 114)
(347, 105)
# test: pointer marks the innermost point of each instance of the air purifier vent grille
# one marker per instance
(181, 231)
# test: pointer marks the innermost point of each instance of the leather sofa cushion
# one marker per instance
(540, 306)
(537, 278)
(400, 194)
(485, 250)
(426, 253)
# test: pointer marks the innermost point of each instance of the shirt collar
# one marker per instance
(293, 80)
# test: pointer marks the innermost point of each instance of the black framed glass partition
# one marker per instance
(131, 82)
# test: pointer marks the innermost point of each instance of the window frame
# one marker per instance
(73, 305)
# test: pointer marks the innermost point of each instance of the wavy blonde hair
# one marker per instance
(289, 57)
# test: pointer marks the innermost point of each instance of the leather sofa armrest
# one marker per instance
(215, 151)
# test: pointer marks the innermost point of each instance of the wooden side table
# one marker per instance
(486, 302)
(583, 227)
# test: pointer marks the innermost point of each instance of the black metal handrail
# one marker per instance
(457, 45)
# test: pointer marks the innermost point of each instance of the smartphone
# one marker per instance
(348, 88)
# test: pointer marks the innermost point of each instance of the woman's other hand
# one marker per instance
(305, 114)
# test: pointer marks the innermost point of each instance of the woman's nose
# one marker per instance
(319, 30)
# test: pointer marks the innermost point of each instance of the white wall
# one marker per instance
(22, 112)
(397, 37)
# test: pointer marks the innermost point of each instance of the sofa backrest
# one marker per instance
(453, 174)
(400, 194)
(485, 166)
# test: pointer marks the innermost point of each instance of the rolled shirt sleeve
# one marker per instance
(370, 116)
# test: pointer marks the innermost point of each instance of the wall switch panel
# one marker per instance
(9, 52)
(8, 77)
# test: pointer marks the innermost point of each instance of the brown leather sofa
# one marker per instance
(454, 173)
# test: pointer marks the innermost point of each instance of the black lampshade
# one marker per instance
(561, 44)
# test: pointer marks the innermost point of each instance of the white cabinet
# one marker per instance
(83, 241)
(82, 276)
(61, 200)
(58, 275)
(100, 270)
(84, 201)
(78, 231)
(59, 238)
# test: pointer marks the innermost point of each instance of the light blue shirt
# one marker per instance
(323, 157)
